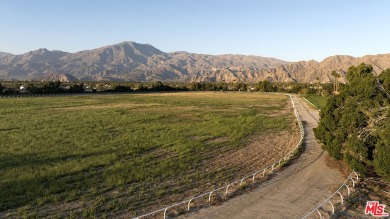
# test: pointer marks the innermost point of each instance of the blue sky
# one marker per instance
(291, 30)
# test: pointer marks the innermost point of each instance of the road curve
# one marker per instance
(293, 191)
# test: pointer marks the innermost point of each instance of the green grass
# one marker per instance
(318, 101)
(102, 155)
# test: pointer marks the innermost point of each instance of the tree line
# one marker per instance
(355, 124)
(81, 87)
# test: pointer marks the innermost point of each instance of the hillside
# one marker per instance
(3, 54)
(130, 61)
(133, 61)
(312, 71)
(55, 77)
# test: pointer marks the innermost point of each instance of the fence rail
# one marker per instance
(250, 177)
(328, 201)
(310, 102)
(82, 94)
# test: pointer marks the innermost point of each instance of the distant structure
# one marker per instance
(23, 89)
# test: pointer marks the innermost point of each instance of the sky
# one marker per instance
(291, 30)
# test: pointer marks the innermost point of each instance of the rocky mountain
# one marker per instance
(129, 61)
(313, 71)
(56, 77)
(3, 54)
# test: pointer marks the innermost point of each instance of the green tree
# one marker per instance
(121, 88)
(354, 124)
(141, 87)
(266, 86)
(382, 153)
(336, 80)
(77, 88)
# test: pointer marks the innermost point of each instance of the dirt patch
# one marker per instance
(369, 188)
(258, 151)
(338, 165)
(218, 140)
(196, 137)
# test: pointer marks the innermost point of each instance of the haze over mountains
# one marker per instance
(129, 61)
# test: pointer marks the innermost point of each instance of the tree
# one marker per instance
(354, 125)
(77, 88)
(121, 88)
(318, 86)
(158, 86)
(52, 87)
(382, 153)
(141, 87)
(336, 81)
(195, 86)
(266, 86)
(32, 89)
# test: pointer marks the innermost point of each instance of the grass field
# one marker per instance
(318, 101)
(100, 156)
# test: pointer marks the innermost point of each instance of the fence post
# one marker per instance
(189, 202)
(347, 188)
(341, 196)
(210, 196)
(227, 189)
(332, 206)
(357, 176)
(253, 178)
(353, 182)
(241, 181)
(165, 213)
(319, 214)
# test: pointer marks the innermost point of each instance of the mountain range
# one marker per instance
(130, 61)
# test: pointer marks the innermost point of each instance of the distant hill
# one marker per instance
(311, 71)
(56, 77)
(130, 61)
(3, 54)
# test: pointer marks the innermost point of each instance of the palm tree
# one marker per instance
(336, 81)
(318, 86)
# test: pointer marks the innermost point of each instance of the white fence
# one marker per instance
(62, 94)
(336, 197)
(248, 178)
(337, 193)
(315, 107)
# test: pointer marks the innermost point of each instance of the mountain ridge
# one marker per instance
(3, 54)
(131, 61)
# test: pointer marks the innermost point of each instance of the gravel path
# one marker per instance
(293, 191)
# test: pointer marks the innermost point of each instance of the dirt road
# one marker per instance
(293, 191)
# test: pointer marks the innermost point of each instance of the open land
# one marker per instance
(316, 100)
(293, 191)
(124, 155)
